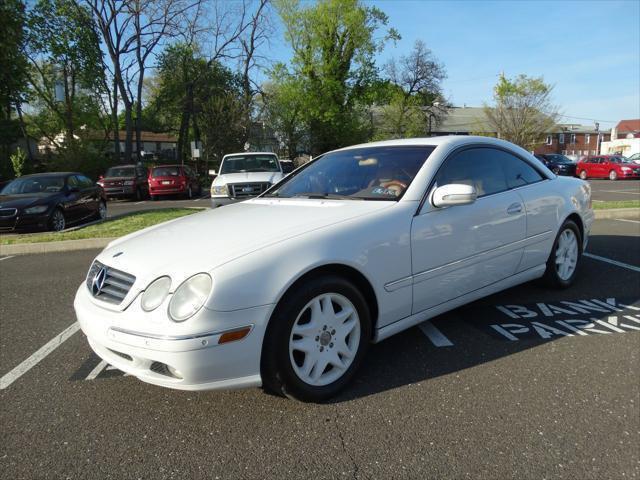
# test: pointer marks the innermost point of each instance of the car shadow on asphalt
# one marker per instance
(605, 300)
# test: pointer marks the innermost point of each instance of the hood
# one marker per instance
(25, 200)
(246, 177)
(203, 241)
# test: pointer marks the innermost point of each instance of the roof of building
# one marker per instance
(628, 126)
(144, 136)
(463, 120)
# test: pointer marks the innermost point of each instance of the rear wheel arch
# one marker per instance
(578, 221)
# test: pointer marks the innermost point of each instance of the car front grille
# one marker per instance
(8, 212)
(245, 190)
(109, 284)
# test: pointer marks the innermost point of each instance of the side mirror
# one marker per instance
(454, 194)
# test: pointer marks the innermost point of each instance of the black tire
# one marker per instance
(57, 222)
(551, 276)
(98, 215)
(138, 195)
(189, 193)
(278, 374)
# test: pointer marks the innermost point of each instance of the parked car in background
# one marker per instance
(289, 289)
(558, 164)
(635, 158)
(173, 180)
(573, 158)
(287, 166)
(612, 167)
(50, 201)
(125, 181)
(244, 175)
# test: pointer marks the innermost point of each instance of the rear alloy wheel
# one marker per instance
(316, 339)
(563, 261)
(613, 175)
(583, 174)
(102, 210)
(57, 221)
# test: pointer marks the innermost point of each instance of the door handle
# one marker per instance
(514, 208)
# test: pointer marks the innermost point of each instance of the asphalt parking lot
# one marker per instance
(527, 383)
(608, 190)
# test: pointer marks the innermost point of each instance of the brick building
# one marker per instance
(570, 139)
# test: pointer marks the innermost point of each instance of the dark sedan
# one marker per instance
(558, 164)
(50, 201)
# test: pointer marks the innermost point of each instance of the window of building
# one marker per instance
(549, 140)
(561, 138)
(593, 152)
(587, 139)
(573, 138)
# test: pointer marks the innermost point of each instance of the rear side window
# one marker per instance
(478, 167)
(166, 172)
(517, 171)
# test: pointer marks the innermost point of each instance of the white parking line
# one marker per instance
(140, 203)
(628, 192)
(96, 371)
(7, 258)
(33, 360)
(612, 262)
(435, 335)
(626, 220)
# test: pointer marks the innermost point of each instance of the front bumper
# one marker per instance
(19, 221)
(193, 361)
(123, 191)
(222, 201)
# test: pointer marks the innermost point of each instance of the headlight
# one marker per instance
(155, 293)
(625, 169)
(38, 209)
(189, 297)
(219, 190)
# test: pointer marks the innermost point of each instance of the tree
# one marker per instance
(414, 94)
(334, 43)
(18, 161)
(523, 112)
(13, 79)
(283, 105)
(65, 72)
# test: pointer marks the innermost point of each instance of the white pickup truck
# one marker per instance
(244, 175)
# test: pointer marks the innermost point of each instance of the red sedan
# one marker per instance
(612, 167)
(173, 180)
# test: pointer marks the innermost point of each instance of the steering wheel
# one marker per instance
(395, 185)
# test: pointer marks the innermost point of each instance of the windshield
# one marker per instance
(372, 173)
(558, 158)
(44, 184)
(619, 160)
(165, 172)
(249, 163)
(120, 172)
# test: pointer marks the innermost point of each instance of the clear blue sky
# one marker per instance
(590, 50)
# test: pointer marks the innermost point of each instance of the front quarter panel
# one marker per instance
(377, 245)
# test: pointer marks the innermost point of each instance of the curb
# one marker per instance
(49, 247)
(632, 213)
(95, 243)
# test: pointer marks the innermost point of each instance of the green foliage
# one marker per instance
(334, 45)
(79, 156)
(19, 162)
(522, 112)
(196, 98)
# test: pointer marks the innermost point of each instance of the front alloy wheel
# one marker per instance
(102, 210)
(57, 221)
(583, 174)
(324, 339)
(613, 175)
(316, 339)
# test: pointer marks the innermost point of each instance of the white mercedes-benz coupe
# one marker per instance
(287, 290)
